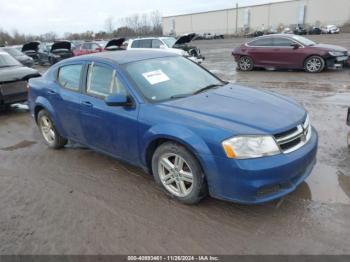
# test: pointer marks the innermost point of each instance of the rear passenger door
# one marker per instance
(65, 98)
(109, 129)
(260, 51)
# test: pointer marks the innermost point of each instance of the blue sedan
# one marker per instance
(195, 133)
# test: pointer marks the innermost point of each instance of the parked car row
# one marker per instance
(298, 30)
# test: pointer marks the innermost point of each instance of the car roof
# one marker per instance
(124, 57)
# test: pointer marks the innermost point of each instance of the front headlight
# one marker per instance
(336, 53)
(244, 147)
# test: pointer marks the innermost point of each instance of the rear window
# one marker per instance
(69, 76)
(135, 44)
(261, 42)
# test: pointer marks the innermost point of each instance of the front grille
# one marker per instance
(269, 190)
(295, 138)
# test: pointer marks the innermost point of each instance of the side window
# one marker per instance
(282, 42)
(69, 76)
(146, 43)
(156, 43)
(102, 81)
(135, 44)
(262, 42)
(94, 46)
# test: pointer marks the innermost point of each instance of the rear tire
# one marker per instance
(314, 64)
(245, 63)
(179, 173)
(50, 134)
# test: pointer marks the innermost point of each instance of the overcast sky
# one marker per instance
(60, 16)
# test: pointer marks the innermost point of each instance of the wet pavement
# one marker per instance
(77, 201)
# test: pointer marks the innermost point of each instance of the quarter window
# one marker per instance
(102, 81)
(69, 76)
(135, 44)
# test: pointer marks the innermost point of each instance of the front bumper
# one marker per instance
(260, 180)
(336, 62)
(14, 92)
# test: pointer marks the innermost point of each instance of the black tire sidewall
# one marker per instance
(199, 185)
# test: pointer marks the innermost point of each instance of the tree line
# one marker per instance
(148, 24)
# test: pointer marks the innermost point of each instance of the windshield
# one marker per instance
(169, 41)
(13, 51)
(303, 40)
(169, 77)
(6, 60)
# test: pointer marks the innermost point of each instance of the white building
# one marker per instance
(257, 17)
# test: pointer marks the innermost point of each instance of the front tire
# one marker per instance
(314, 64)
(245, 63)
(50, 134)
(179, 173)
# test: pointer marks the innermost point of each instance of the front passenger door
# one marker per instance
(109, 129)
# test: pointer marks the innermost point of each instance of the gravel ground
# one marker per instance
(76, 201)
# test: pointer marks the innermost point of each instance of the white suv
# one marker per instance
(165, 44)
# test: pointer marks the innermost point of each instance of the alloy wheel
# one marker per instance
(175, 174)
(314, 64)
(47, 129)
(245, 63)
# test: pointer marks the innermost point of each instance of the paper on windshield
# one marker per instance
(156, 77)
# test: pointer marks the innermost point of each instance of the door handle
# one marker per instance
(51, 92)
(87, 103)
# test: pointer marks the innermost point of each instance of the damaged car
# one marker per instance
(285, 51)
(60, 50)
(169, 44)
(13, 80)
(159, 111)
(115, 44)
(38, 51)
(19, 56)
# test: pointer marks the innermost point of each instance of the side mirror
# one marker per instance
(118, 100)
(162, 46)
(295, 46)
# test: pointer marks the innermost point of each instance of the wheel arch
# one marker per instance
(180, 135)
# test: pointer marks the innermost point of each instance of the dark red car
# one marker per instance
(289, 52)
(88, 48)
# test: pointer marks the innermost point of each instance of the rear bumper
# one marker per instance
(260, 180)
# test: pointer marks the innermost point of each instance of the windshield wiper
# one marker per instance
(207, 88)
(6, 66)
(180, 96)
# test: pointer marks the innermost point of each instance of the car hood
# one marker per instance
(31, 46)
(240, 108)
(9, 74)
(330, 47)
(184, 39)
(61, 45)
(115, 43)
